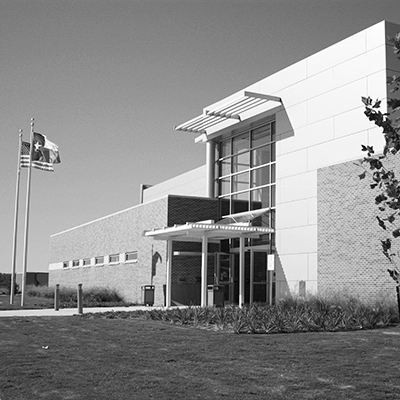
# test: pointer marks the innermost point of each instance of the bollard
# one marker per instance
(57, 298)
(80, 305)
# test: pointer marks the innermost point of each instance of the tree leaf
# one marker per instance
(377, 104)
(380, 198)
(396, 233)
(382, 224)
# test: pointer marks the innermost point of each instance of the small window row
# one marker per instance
(128, 257)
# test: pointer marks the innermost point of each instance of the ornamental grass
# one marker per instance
(289, 315)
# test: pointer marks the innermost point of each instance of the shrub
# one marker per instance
(91, 297)
(5, 284)
(315, 313)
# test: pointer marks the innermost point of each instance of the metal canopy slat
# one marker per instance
(195, 231)
(231, 110)
(245, 103)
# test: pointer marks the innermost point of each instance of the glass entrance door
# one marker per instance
(261, 278)
(224, 274)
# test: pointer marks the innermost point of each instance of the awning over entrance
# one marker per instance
(245, 216)
(232, 110)
(194, 232)
(205, 232)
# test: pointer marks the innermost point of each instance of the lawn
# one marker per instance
(30, 303)
(82, 358)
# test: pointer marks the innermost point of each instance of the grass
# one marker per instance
(97, 358)
(43, 297)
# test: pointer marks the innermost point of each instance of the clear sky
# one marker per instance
(107, 80)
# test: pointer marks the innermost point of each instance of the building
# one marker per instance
(278, 208)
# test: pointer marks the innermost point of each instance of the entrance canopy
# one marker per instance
(195, 231)
(205, 232)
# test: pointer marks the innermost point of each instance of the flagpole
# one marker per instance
(28, 195)
(14, 253)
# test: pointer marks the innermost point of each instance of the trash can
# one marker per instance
(215, 295)
(148, 295)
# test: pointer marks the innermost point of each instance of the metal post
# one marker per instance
(251, 277)
(210, 165)
(28, 195)
(241, 271)
(80, 305)
(14, 252)
(398, 298)
(204, 253)
(57, 297)
(168, 296)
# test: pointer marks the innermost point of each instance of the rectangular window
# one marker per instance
(261, 136)
(99, 260)
(225, 186)
(131, 256)
(261, 156)
(240, 182)
(86, 261)
(225, 148)
(260, 198)
(241, 162)
(225, 167)
(75, 263)
(246, 170)
(240, 143)
(114, 258)
(260, 177)
(65, 264)
(240, 202)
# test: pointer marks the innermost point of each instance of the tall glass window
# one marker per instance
(245, 174)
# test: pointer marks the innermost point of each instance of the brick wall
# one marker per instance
(117, 233)
(122, 232)
(349, 252)
(183, 209)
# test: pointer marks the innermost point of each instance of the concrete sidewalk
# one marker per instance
(63, 312)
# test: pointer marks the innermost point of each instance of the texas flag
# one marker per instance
(45, 153)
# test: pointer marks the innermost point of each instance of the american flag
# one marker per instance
(41, 158)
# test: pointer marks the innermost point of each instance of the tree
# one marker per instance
(381, 170)
(5, 283)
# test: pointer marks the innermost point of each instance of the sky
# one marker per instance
(107, 81)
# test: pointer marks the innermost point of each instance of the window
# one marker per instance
(86, 261)
(99, 260)
(75, 263)
(246, 174)
(131, 256)
(114, 258)
(65, 264)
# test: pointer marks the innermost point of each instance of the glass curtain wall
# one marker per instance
(246, 175)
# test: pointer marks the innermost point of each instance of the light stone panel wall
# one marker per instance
(191, 183)
(320, 123)
(323, 124)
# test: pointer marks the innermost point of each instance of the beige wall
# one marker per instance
(320, 123)
(191, 183)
